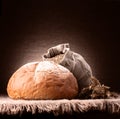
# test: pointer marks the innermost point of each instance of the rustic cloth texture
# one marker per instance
(58, 107)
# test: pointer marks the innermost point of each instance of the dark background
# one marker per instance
(29, 27)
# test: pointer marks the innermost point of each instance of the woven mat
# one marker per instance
(57, 107)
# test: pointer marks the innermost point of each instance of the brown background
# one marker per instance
(29, 27)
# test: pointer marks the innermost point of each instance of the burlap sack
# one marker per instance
(72, 61)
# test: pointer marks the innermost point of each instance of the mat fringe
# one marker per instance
(57, 107)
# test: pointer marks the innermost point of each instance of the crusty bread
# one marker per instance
(42, 80)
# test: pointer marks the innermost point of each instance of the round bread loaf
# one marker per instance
(42, 80)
